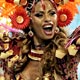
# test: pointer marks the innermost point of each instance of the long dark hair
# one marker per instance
(57, 41)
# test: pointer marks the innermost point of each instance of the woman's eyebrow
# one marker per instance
(39, 12)
(52, 10)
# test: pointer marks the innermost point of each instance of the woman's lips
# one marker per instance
(47, 28)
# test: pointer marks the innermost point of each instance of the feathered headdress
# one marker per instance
(72, 11)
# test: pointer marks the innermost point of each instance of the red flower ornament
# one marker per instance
(20, 19)
(64, 17)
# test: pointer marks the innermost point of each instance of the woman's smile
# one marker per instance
(48, 29)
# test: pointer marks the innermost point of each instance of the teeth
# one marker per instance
(47, 26)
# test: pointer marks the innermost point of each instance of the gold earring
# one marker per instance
(56, 30)
(30, 33)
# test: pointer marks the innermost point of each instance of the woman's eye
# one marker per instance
(52, 13)
(39, 15)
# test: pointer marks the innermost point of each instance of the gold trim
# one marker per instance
(34, 58)
(37, 51)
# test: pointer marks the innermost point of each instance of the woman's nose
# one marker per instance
(47, 18)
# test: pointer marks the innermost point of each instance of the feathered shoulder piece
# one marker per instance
(73, 44)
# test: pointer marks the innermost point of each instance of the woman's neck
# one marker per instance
(38, 42)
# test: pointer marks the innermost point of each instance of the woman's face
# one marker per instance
(44, 21)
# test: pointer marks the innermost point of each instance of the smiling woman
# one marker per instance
(46, 40)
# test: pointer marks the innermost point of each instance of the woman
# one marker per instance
(46, 40)
(39, 54)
